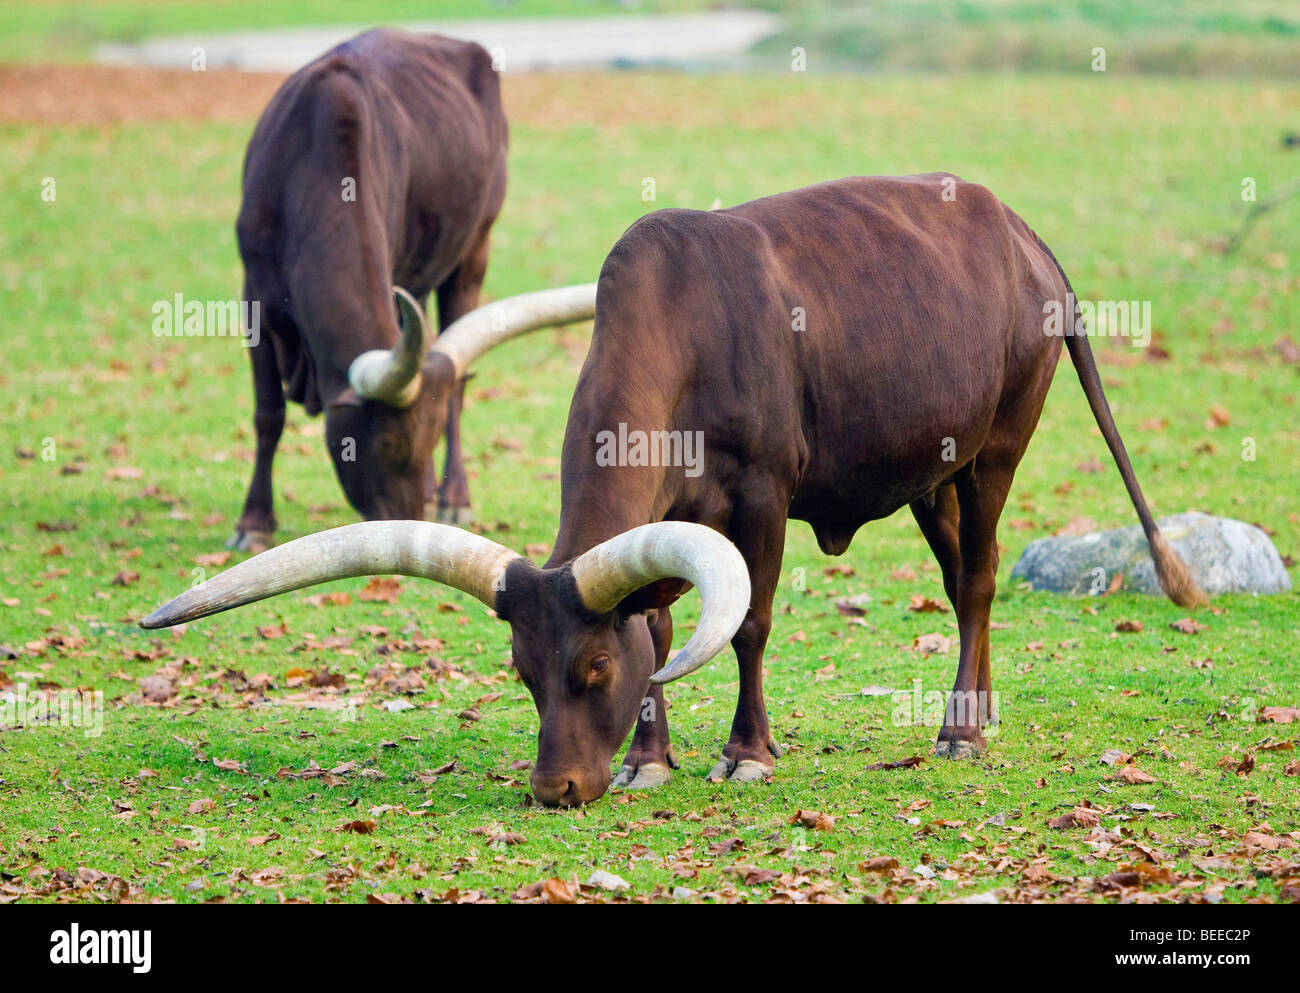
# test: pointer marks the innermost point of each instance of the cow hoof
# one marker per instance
(958, 749)
(644, 777)
(250, 541)
(744, 771)
(460, 517)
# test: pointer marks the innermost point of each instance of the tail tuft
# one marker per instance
(1172, 572)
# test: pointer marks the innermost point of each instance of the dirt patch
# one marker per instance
(94, 95)
(53, 95)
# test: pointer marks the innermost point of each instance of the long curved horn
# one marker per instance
(394, 376)
(671, 549)
(488, 326)
(444, 554)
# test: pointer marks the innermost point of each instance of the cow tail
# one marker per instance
(1175, 580)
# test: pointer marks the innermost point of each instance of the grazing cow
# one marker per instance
(846, 350)
(373, 178)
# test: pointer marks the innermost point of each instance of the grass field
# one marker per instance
(1183, 37)
(126, 457)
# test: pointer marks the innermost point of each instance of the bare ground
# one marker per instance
(67, 95)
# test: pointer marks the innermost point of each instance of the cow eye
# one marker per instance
(599, 664)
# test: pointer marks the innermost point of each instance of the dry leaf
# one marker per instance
(157, 689)
(878, 863)
(814, 820)
(1242, 767)
(1133, 775)
(926, 605)
(932, 644)
(337, 599)
(558, 891)
(1084, 817)
(1279, 715)
(381, 589)
(910, 762)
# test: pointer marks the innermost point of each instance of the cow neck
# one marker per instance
(598, 514)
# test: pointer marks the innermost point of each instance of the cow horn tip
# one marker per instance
(680, 666)
(158, 619)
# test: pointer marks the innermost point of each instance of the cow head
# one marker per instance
(588, 672)
(382, 429)
(579, 637)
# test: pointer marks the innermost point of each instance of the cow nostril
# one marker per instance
(554, 791)
(565, 788)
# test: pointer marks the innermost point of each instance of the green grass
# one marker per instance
(1128, 182)
(1185, 37)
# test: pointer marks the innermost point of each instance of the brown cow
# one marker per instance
(846, 350)
(381, 165)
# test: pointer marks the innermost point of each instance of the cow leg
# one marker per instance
(939, 525)
(759, 534)
(984, 675)
(649, 759)
(257, 523)
(430, 484)
(453, 496)
(981, 494)
(457, 296)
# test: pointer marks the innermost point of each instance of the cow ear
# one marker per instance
(659, 594)
(348, 398)
(439, 375)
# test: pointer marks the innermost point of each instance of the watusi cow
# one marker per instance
(372, 180)
(911, 375)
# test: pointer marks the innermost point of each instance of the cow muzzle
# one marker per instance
(567, 788)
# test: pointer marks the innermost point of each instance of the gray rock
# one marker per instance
(1223, 555)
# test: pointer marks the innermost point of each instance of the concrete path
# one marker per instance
(534, 44)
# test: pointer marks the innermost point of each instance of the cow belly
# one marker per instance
(836, 513)
(879, 466)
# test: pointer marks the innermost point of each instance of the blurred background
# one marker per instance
(1154, 145)
(1184, 37)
